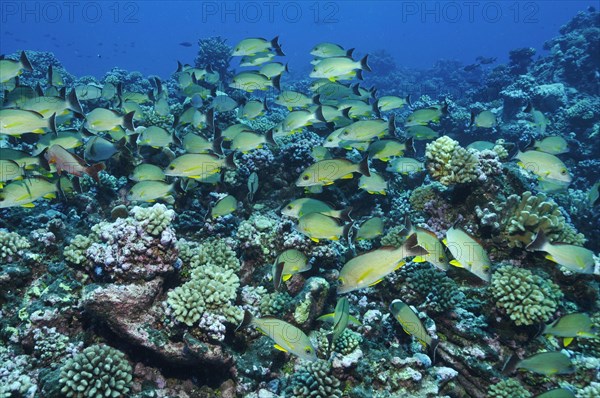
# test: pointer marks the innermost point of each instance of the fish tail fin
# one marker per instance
(472, 118)
(230, 161)
(128, 121)
(433, 349)
(25, 62)
(346, 113)
(347, 230)
(408, 100)
(319, 114)
(269, 137)
(538, 242)
(317, 99)
(179, 67)
(375, 109)
(50, 73)
(266, 105)
(277, 276)
(277, 47)
(510, 365)
(359, 75)
(528, 108)
(247, 320)
(412, 248)
(345, 214)
(277, 82)
(349, 53)
(218, 145)
(355, 89)
(408, 227)
(364, 65)
(410, 150)
(73, 103)
(210, 118)
(286, 68)
(363, 167)
(94, 169)
(392, 125)
(52, 124)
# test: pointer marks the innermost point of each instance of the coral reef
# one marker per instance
(449, 163)
(314, 380)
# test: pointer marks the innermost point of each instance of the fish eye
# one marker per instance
(563, 172)
(441, 259)
(307, 350)
(305, 178)
(171, 167)
(289, 207)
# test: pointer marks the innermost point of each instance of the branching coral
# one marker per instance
(525, 215)
(510, 388)
(12, 246)
(527, 298)
(449, 163)
(214, 52)
(98, 371)
(314, 380)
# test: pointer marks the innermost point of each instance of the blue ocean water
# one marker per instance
(90, 37)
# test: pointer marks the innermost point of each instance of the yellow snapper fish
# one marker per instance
(247, 141)
(287, 264)
(386, 149)
(574, 258)
(155, 136)
(546, 166)
(16, 122)
(483, 119)
(366, 130)
(47, 106)
(195, 118)
(429, 241)
(420, 132)
(330, 318)
(303, 206)
(224, 206)
(554, 145)
(370, 229)
(9, 170)
(18, 96)
(370, 268)
(257, 59)
(318, 226)
(273, 69)
(373, 184)
(198, 166)
(252, 80)
(10, 68)
(296, 120)
(411, 323)
(23, 159)
(223, 103)
(150, 191)
(287, 337)
(571, 326)
(547, 363)
(334, 140)
(253, 46)
(138, 98)
(232, 131)
(341, 317)
(131, 106)
(353, 109)
(326, 172)
(26, 191)
(147, 172)
(102, 119)
(88, 92)
(320, 153)
(68, 139)
(426, 115)
(252, 109)
(328, 50)
(335, 67)
(391, 102)
(194, 143)
(293, 99)
(539, 119)
(468, 253)
(404, 165)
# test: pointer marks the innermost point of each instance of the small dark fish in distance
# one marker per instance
(185, 44)
(471, 67)
(486, 60)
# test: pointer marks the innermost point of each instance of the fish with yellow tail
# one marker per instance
(370, 268)
(318, 226)
(326, 172)
(287, 264)
(287, 337)
(544, 363)
(71, 163)
(412, 325)
(26, 191)
(571, 326)
(574, 258)
(10, 68)
(468, 253)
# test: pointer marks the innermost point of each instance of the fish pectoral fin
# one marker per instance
(334, 238)
(445, 241)
(50, 195)
(280, 348)
(286, 277)
(28, 205)
(347, 176)
(419, 259)
(315, 240)
(456, 263)
(567, 341)
(549, 257)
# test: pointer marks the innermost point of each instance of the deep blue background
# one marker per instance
(91, 37)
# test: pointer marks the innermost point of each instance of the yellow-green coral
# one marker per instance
(510, 388)
(75, 252)
(528, 299)
(11, 246)
(449, 163)
(153, 219)
(525, 215)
